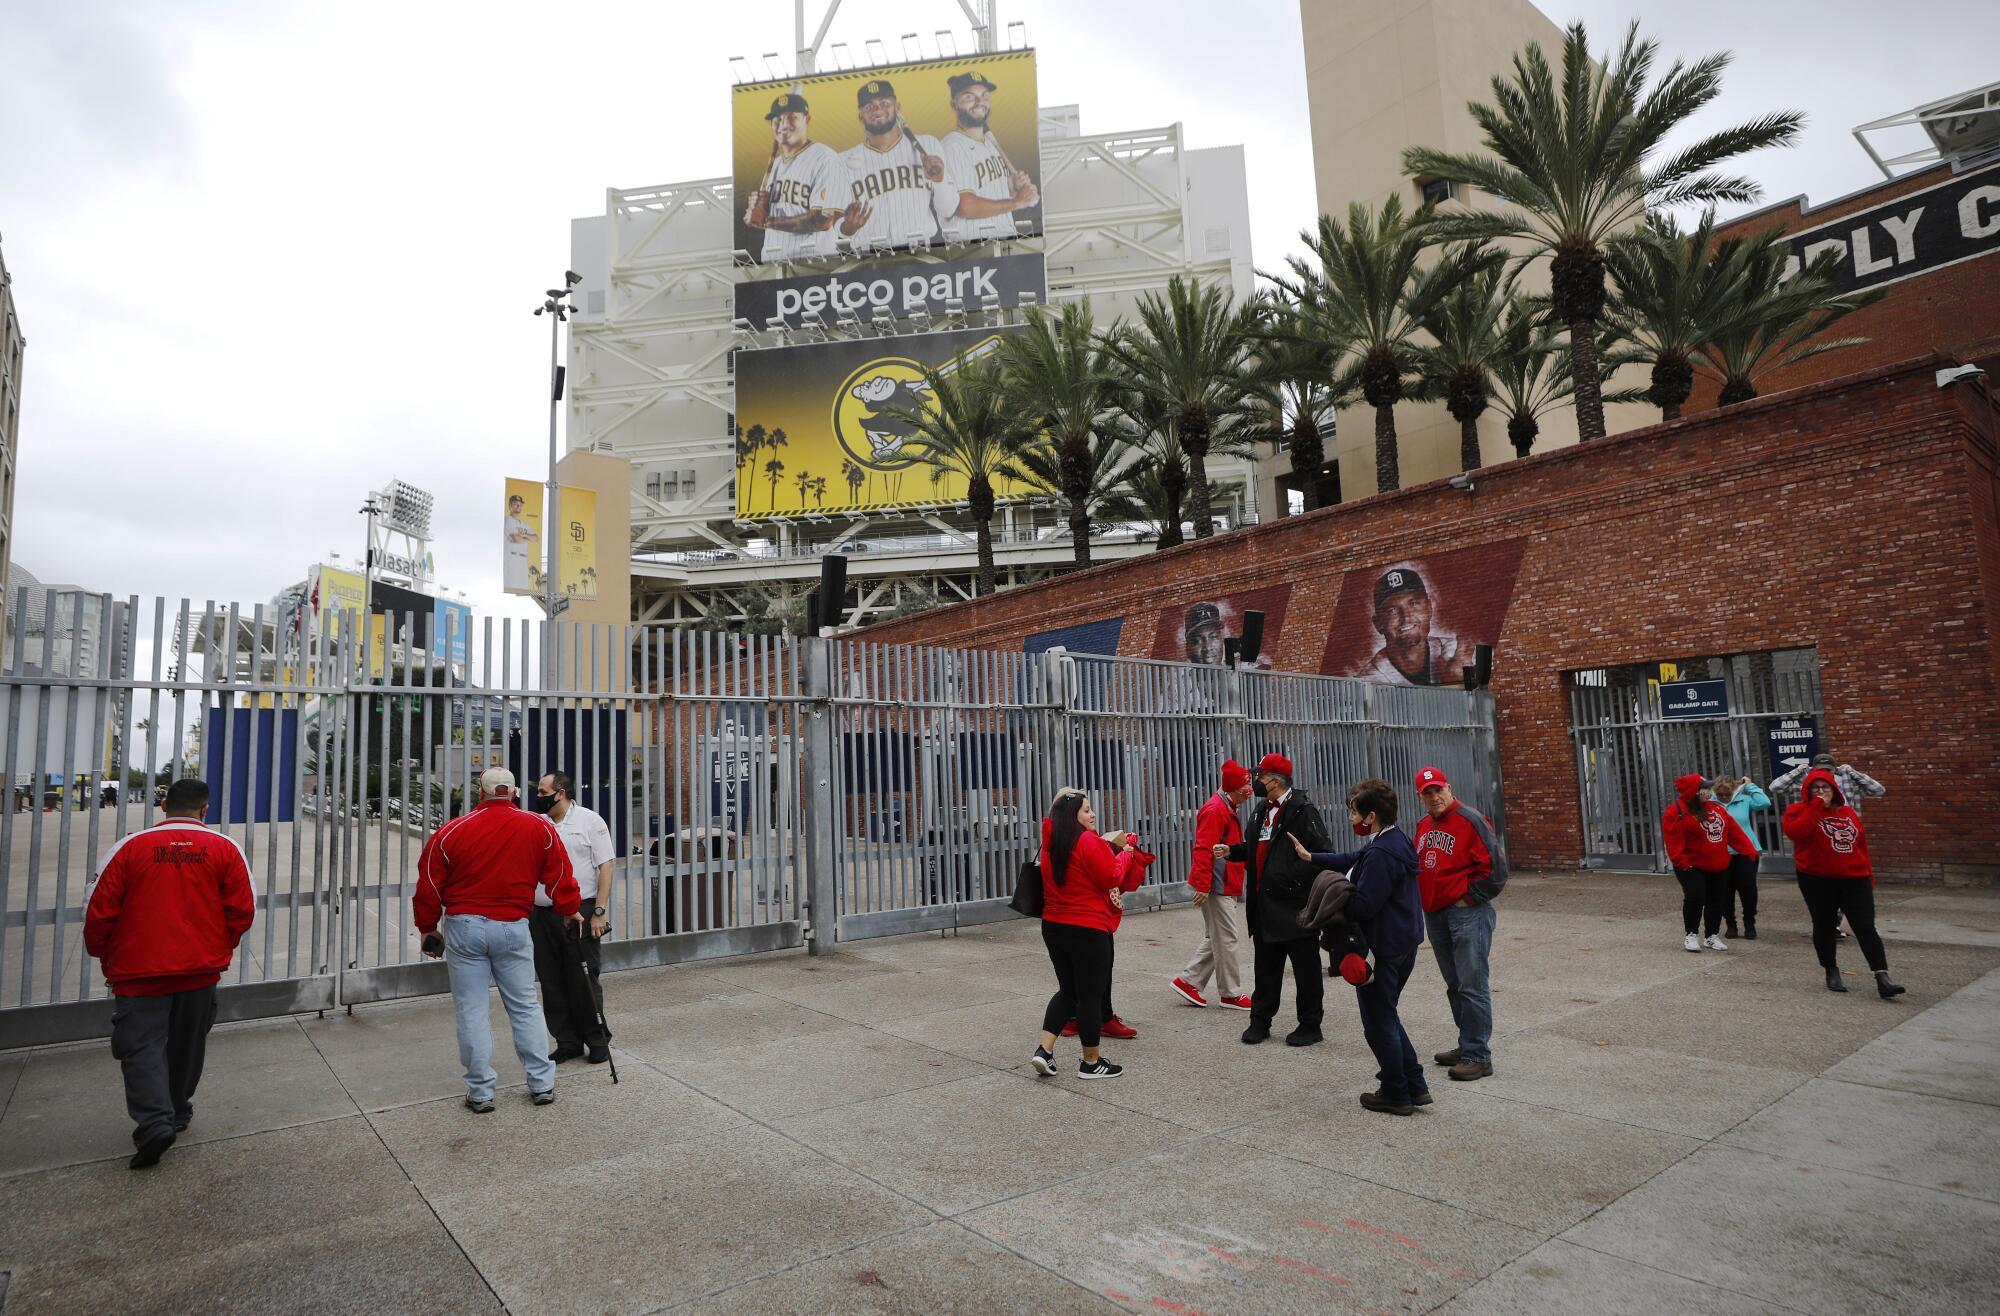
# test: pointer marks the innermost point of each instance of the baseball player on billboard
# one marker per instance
(804, 187)
(895, 177)
(984, 186)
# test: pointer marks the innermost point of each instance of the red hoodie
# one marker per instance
(1095, 869)
(489, 862)
(1827, 840)
(169, 906)
(1216, 824)
(1700, 833)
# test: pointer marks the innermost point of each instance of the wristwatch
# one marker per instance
(597, 912)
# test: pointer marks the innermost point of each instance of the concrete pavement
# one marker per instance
(860, 1132)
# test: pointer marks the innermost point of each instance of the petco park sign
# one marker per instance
(900, 290)
(1913, 234)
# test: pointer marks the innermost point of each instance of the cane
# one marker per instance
(596, 1002)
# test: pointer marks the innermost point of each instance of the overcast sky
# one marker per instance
(269, 254)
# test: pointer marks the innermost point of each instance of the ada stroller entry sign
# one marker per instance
(1794, 741)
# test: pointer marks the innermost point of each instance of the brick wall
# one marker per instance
(1858, 516)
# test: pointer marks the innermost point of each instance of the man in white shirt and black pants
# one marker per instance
(573, 1001)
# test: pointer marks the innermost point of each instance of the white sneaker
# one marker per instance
(1692, 942)
(1716, 943)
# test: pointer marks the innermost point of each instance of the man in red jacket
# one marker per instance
(1217, 824)
(476, 882)
(168, 906)
(1461, 867)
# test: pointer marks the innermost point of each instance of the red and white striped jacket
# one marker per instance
(489, 862)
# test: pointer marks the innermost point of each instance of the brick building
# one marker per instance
(1843, 537)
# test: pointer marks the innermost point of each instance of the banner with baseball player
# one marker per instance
(822, 427)
(1193, 630)
(834, 165)
(1418, 621)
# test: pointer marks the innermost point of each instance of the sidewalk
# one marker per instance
(1665, 1132)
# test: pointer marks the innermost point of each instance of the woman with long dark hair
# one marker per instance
(1836, 877)
(1700, 837)
(1083, 879)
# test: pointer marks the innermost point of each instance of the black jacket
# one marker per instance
(1274, 896)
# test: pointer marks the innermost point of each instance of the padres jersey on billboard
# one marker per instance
(977, 167)
(813, 179)
(906, 205)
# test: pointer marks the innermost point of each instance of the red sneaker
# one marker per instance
(1188, 994)
(1116, 1027)
(1069, 1029)
(1233, 1002)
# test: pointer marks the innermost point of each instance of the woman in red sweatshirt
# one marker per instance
(1083, 881)
(1836, 877)
(1699, 835)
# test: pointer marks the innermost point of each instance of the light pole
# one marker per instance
(558, 308)
(371, 509)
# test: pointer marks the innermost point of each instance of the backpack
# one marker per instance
(1027, 901)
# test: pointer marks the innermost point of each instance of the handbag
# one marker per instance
(1027, 901)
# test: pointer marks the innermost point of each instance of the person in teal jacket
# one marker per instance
(1742, 796)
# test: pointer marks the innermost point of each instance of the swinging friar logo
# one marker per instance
(1841, 832)
(872, 412)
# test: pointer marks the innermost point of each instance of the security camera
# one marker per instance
(1956, 373)
(572, 278)
(1462, 482)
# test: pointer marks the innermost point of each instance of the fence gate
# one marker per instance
(1628, 753)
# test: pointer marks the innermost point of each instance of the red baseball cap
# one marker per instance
(1277, 763)
(1428, 777)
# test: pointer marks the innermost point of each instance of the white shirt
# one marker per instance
(1271, 818)
(979, 168)
(905, 202)
(813, 179)
(588, 841)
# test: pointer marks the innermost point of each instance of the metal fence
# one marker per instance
(763, 792)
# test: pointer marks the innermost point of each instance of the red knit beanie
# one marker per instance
(1234, 776)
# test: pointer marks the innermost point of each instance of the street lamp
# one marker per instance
(370, 509)
(558, 308)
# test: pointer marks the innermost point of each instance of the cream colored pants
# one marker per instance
(1216, 954)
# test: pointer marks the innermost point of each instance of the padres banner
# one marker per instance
(578, 553)
(828, 165)
(816, 430)
(521, 537)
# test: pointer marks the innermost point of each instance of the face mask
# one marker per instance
(541, 803)
(1361, 829)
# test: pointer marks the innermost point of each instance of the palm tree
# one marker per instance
(1108, 459)
(1188, 356)
(774, 467)
(1782, 320)
(1056, 377)
(1465, 329)
(851, 473)
(1145, 425)
(819, 491)
(1532, 373)
(804, 480)
(1296, 386)
(749, 442)
(1576, 162)
(1363, 290)
(1675, 291)
(970, 430)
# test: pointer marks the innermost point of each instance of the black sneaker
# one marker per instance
(151, 1150)
(567, 1051)
(1098, 1068)
(598, 1054)
(1256, 1033)
(1304, 1035)
(478, 1106)
(1044, 1062)
(1376, 1101)
(544, 1098)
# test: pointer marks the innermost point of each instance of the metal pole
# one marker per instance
(819, 807)
(551, 529)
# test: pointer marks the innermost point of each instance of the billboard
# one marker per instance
(1417, 621)
(815, 433)
(521, 537)
(832, 164)
(900, 290)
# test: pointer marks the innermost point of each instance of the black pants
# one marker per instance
(1082, 960)
(1400, 1072)
(160, 1042)
(1268, 984)
(1704, 898)
(1742, 887)
(1827, 898)
(571, 998)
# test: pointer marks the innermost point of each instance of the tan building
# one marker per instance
(1382, 75)
(11, 347)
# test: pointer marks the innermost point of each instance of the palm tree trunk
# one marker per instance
(1583, 374)
(1308, 455)
(1735, 390)
(1194, 442)
(1388, 474)
(1079, 530)
(1173, 482)
(988, 576)
(1468, 443)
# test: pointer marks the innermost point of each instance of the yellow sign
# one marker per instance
(521, 537)
(579, 542)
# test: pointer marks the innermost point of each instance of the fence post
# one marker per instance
(1486, 737)
(1058, 699)
(1371, 727)
(819, 811)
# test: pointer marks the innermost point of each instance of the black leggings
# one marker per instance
(1742, 886)
(1082, 960)
(1827, 898)
(1704, 896)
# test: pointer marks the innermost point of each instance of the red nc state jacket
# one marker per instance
(1827, 841)
(1700, 834)
(169, 905)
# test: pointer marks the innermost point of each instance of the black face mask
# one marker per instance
(541, 803)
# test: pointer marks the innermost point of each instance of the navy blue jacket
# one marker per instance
(1384, 873)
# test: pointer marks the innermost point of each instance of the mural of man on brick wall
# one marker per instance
(1192, 631)
(1416, 622)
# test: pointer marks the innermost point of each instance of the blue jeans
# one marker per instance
(1402, 1077)
(480, 953)
(1462, 940)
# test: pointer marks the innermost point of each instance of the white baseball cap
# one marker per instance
(494, 781)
